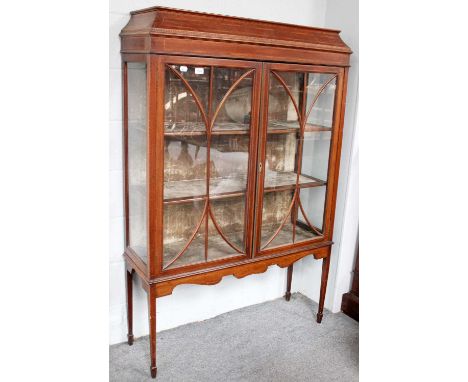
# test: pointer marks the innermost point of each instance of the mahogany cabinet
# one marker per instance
(232, 136)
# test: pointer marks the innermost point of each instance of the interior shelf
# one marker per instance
(191, 190)
(275, 127)
(198, 128)
(228, 128)
(188, 190)
(276, 181)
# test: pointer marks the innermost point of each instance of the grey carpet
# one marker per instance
(268, 342)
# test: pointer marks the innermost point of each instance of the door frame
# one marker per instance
(333, 159)
(156, 162)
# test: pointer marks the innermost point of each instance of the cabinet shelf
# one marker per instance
(192, 190)
(198, 129)
(203, 132)
(288, 128)
(184, 191)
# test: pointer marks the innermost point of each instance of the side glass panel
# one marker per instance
(136, 161)
(206, 161)
(299, 128)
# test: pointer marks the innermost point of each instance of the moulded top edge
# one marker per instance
(190, 24)
(170, 9)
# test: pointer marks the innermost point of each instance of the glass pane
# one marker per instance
(184, 167)
(285, 236)
(313, 205)
(184, 194)
(280, 160)
(317, 137)
(276, 212)
(235, 111)
(280, 153)
(136, 85)
(315, 154)
(185, 164)
(182, 113)
(180, 223)
(295, 83)
(230, 160)
(281, 165)
(321, 97)
(281, 111)
(229, 163)
(229, 214)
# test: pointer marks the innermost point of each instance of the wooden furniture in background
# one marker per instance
(350, 302)
(232, 138)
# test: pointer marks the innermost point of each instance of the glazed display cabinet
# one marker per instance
(232, 135)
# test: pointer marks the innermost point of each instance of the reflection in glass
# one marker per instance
(136, 162)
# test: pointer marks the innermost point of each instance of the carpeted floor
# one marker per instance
(276, 341)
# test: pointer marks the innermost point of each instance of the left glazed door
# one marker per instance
(210, 109)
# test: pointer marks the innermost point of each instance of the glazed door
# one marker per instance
(210, 110)
(300, 117)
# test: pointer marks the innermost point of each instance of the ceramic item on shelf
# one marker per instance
(238, 104)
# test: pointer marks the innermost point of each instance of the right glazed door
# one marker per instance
(300, 117)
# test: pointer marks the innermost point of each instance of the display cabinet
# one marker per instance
(232, 135)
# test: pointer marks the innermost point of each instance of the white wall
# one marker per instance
(342, 15)
(191, 303)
